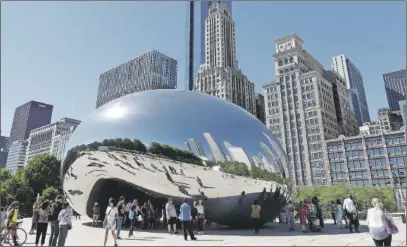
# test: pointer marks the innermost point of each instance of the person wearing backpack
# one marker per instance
(55, 210)
(133, 213)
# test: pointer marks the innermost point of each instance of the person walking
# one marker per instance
(185, 217)
(42, 224)
(55, 210)
(255, 214)
(171, 214)
(65, 223)
(96, 214)
(303, 212)
(120, 216)
(351, 213)
(194, 215)
(110, 221)
(150, 215)
(201, 216)
(339, 213)
(380, 223)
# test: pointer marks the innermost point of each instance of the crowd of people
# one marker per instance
(380, 223)
(130, 215)
(191, 217)
(58, 214)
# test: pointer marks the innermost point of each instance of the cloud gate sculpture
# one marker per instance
(180, 144)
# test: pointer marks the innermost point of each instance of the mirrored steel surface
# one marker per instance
(171, 143)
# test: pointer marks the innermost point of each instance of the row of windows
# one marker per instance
(395, 140)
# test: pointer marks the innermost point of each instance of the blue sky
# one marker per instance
(54, 52)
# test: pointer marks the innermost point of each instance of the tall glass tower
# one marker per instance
(196, 16)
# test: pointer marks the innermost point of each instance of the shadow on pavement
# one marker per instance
(271, 229)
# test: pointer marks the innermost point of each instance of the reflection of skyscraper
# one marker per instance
(217, 153)
(195, 147)
(238, 154)
(274, 165)
(261, 161)
(281, 159)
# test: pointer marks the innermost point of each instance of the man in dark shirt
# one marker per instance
(120, 209)
(55, 209)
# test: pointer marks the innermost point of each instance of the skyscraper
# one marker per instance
(197, 14)
(219, 75)
(4, 143)
(395, 85)
(27, 117)
(152, 70)
(301, 109)
(347, 70)
(217, 153)
(260, 110)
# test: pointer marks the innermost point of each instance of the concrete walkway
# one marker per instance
(274, 235)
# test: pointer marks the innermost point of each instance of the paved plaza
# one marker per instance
(275, 234)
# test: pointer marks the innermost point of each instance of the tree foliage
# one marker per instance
(235, 168)
(362, 195)
(49, 194)
(41, 175)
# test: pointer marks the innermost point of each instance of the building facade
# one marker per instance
(301, 109)
(260, 107)
(27, 117)
(403, 110)
(395, 85)
(354, 80)
(365, 160)
(389, 120)
(220, 76)
(16, 156)
(149, 71)
(47, 139)
(197, 14)
(4, 143)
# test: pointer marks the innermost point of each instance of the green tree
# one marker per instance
(49, 194)
(235, 168)
(43, 171)
(4, 175)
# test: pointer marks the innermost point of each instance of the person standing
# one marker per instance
(110, 221)
(126, 221)
(150, 215)
(133, 213)
(201, 216)
(255, 214)
(185, 217)
(290, 216)
(339, 213)
(120, 217)
(332, 208)
(36, 210)
(55, 210)
(96, 214)
(42, 224)
(171, 214)
(65, 223)
(303, 212)
(351, 213)
(194, 214)
(376, 219)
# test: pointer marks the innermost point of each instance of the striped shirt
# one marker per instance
(65, 217)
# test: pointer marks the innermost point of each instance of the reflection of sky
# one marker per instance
(172, 117)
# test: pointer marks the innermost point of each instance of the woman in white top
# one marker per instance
(201, 216)
(376, 223)
(109, 222)
(339, 213)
